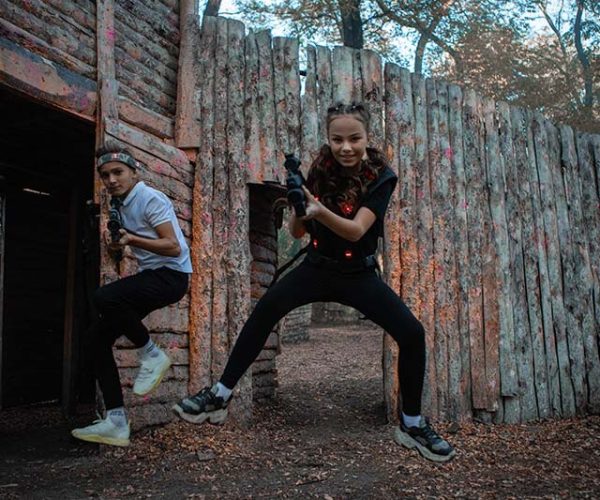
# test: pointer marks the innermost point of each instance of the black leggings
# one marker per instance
(122, 306)
(364, 291)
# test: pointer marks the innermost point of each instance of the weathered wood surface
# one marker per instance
(424, 235)
(342, 76)
(474, 191)
(145, 119)
(310, 144)
(460, 368)
(202, 220)
(187, 125)
(372, 93)
(391, 249)
(252, 132)
(35, 76)
(238, 255)
(325, 89)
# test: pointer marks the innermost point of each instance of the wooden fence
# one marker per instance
(492, 234)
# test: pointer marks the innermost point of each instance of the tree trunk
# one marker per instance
(212, 8)
(352, 29)
(582, 56)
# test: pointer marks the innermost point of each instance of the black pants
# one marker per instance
(122, 306)
(363, 290)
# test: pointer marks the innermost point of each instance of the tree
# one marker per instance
(212, 8)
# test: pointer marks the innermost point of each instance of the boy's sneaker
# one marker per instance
(425, 439)
(105, 432)
(202, 406)
(151, 373)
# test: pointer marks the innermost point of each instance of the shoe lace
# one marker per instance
(203, 397)
(145, 373)
(429, 433)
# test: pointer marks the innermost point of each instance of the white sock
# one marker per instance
(221, 391)
(150, 350)
(118, 416)
(410, 421)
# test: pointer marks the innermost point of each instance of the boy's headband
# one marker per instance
(128, 160)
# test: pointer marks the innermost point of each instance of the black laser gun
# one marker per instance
(114, 226)
(294, 182)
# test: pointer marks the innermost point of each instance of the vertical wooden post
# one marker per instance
(201, 289)
(391, 249)
(424, 234)
(372, 94)
(341, 73)
(309, 111)
(324, 89)
(187, 126)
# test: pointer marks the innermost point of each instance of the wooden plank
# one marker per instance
(553, 202)
(500, 367)
(252, 160)
(341, 70)
(513, 306)
(163, 23)
(460, 368)
(220, 323)
(357, 77)
(577, 271)
(238, 257)
(39, 20)
(176, 158)
(309, 112)
(519, 223)
(591, 215)
(37, 77)
(292, 94)
(279, 93)
(391, 253)
(145, 119)
(474, 190)
(424, 235)
(547, 347)
(266, 108)
(324, 89)
(202, 221)
(450, 271)
(372, 94)
(187, 126)
(34, 44)
(150, 70)
(439, 199)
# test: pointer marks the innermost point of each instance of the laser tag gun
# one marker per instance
(294, 182)
(114, 225)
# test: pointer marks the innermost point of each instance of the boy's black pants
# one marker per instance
(363, 290)
(122, 305)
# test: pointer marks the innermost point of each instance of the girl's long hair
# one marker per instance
(330, 182)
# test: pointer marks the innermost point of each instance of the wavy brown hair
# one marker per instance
(328, 180)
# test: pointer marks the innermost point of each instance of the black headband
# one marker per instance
(128, 160)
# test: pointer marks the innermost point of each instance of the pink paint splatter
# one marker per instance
(110, 34)
(449, 153)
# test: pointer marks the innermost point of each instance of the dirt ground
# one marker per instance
(323, 436)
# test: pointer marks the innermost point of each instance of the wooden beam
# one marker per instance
(46, 81)
(145, 119)
(187, 125)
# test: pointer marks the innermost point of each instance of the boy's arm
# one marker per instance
(166, 244)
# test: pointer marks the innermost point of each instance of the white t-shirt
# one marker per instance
(143, 209)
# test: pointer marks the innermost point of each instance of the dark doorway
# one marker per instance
(49, 253)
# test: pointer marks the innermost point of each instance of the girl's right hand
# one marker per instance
(313, 206)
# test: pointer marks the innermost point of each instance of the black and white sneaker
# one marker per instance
(202, 406)
(429, 443)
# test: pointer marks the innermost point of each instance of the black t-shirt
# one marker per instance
(376, 199)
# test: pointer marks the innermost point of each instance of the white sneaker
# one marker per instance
(105, 432)
(151, 373)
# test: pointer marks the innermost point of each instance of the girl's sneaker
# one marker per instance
(425, 439)
(202, 406)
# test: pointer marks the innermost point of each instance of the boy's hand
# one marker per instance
(115, 246)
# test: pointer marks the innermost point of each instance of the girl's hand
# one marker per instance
(313, 206)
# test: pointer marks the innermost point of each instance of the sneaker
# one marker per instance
(204, 405)
(105, 432)
(426, 440)
(151, 373)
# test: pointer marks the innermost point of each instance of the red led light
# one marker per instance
(348, 254)
(315, 244)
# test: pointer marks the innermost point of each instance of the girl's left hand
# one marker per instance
(313, 206)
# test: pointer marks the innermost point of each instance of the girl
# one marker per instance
(348, 189)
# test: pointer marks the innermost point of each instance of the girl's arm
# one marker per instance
(296, 226)
(349, 229)
(166, 244)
